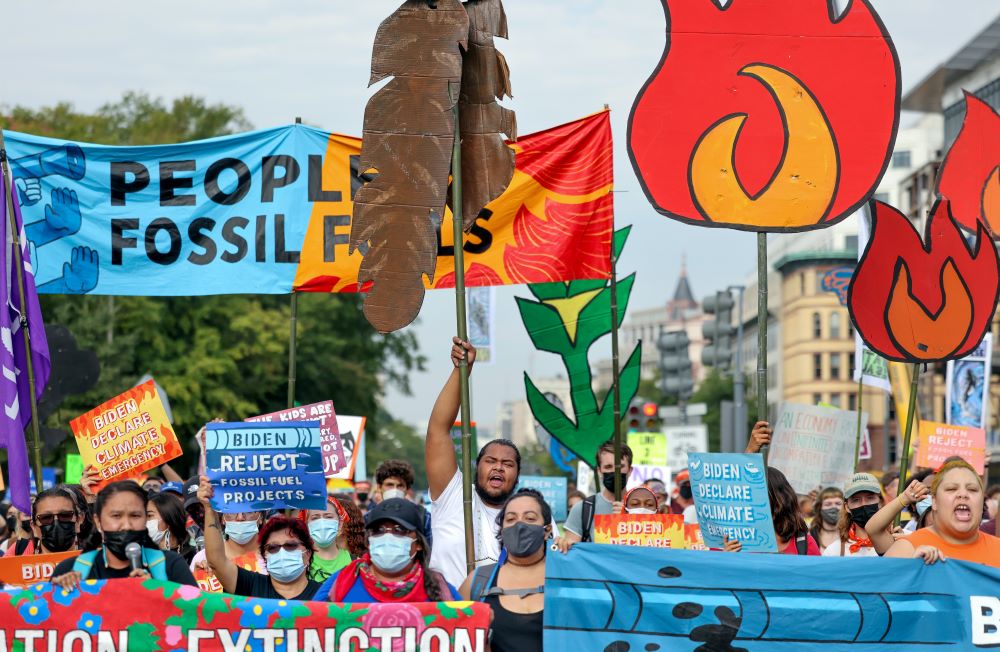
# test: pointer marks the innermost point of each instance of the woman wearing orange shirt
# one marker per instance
(957, 495)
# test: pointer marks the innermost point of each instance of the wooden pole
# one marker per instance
(762, 333)
(293, 336)
(25, 326)
(904, 457)
(463, 334)
(860, 403)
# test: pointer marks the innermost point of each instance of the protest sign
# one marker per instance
(207, 581)
(22, 570)
(692, 535)
(968, 385)
(553, 489)
(682, 440)
(648, 448)
(329, 435)
(74, 468)
(623, 598)
(48, 481)
(643, 472)
(870, 368)
(352, 432)
(259, 466)
(480, 304)
(730, 497)
(650, 530)
(126, 436)
(586, 479)
(815, 446)
(939, 441)
(133, 614)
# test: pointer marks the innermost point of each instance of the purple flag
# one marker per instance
(14, 389)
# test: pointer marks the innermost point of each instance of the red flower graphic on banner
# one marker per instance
(924, 300)
(767, 115)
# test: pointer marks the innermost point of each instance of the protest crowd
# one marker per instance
(387, 547)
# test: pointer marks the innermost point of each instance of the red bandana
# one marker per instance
(408, 589)
(856, 543)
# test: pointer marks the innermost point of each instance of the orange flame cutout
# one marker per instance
(746, 124)
(970, 176)
(924, 302)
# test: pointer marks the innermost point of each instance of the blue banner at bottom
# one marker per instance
(626, 599)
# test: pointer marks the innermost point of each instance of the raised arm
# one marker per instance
(439, 452)
(215, 545)
(879, 523)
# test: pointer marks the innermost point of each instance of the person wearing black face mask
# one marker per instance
(120, 516)
(863, 496)
(580, 521)
(514, 589)
(22, 540)
(55, 520)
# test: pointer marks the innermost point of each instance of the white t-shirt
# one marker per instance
(833, 550)
(448, 527)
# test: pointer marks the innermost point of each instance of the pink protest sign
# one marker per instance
(329, 435)
(939, 441)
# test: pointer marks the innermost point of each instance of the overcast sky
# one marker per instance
(310, 58)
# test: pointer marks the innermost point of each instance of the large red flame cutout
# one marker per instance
(970, 176)
(766, 115)
(916, 300)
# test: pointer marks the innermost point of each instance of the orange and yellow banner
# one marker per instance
(553, 223)
(650, 530)
(126, 436)
(22, 570)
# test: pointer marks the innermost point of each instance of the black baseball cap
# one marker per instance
(397, 510)
(190, 492)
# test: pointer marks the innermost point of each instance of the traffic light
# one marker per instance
(718, 332)
(635, 413)
(675, 365)
(651, 413)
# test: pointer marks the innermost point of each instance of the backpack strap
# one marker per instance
(156, 563)
(842, 544)
(587, 517)
(521, 593)
(482, 577)
(801, 545)
(84, 563)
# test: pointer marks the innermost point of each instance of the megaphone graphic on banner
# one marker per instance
(63, 161)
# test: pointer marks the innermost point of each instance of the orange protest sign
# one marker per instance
(692, 536)
(207, 581)
(939, 441)
(22, 570)
(126, 436)
(650, 530)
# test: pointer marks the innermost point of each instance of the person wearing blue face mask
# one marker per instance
(395, 569)
(287, 549)
(331, 539)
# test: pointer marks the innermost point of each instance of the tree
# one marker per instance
(216, 356)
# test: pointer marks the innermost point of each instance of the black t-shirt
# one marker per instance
(177, 569)
(255, 585)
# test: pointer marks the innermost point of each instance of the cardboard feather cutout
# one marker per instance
(487, 161)
(407, 139)
(766, 115)
(970, 176)
(924, 300)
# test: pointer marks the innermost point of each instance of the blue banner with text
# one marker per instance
(259, 466)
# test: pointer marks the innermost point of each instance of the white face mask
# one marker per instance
(153, 528)
(393, 493)
(640, 510)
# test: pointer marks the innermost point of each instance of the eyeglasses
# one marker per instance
(387, 528)
(64, 517)
(290, 546)
(240, 516)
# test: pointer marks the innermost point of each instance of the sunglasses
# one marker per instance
(396, 529)
(64, 517)
(291, 546)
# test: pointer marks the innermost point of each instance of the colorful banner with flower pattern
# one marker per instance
(149, 615)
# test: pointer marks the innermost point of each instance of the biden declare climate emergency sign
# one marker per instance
(258, 466)
(730, 496)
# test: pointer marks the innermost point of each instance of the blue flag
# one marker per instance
(16, 313)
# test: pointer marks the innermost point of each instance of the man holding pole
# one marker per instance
(497, 469)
